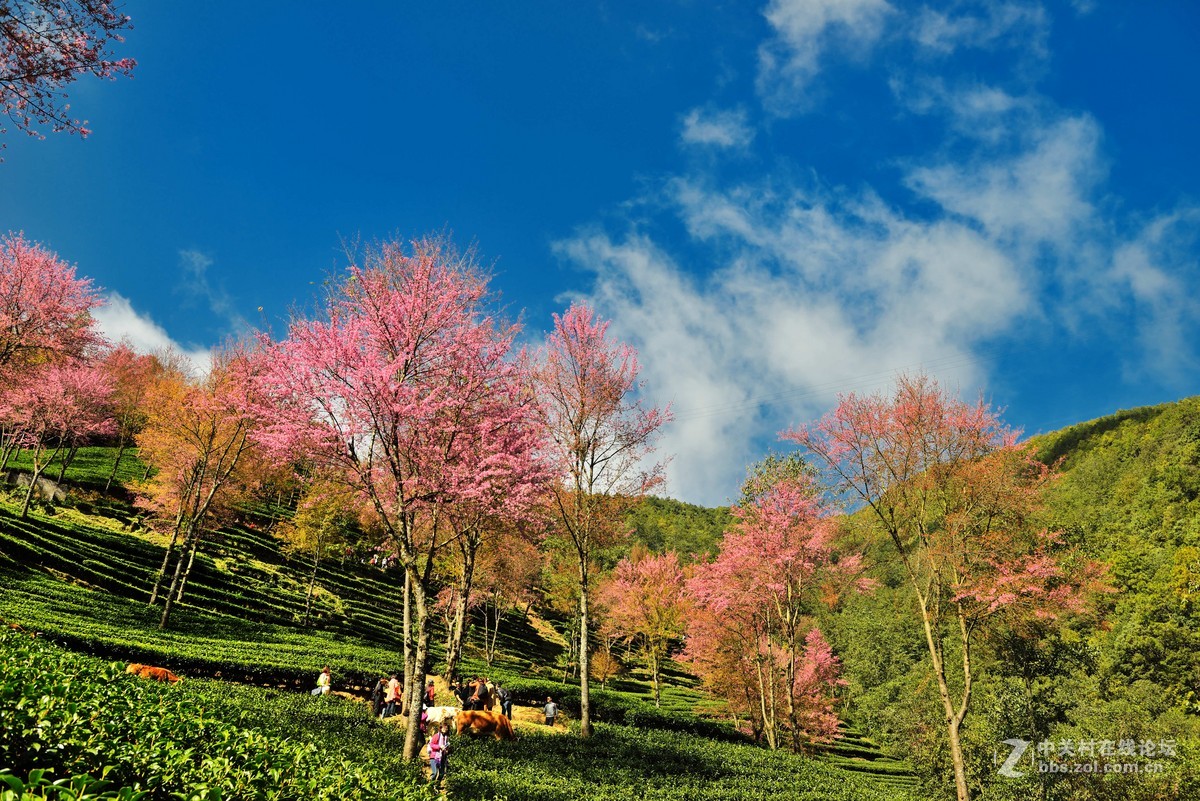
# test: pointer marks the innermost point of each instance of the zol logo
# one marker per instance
(1009, 768)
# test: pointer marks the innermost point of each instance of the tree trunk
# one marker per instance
(459, 627)
(585, 704)
(169, 598)
(116, 464)
(162, 571)
(954, 717)
(489, 639)
(312, 583)
(188, 570)
(654, 675)
(33, 480)
(69, 457)
(8, 446)
(410, 667)
(768, 725)
(28, 496)
(412, 746)
(790, 683)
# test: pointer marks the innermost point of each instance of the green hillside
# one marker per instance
(80, 573)
(1128, 494)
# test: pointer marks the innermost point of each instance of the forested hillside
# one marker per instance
(1128, 495)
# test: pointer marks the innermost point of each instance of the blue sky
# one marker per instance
(775, 202)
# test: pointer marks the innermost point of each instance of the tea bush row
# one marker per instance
(203, 644)
(71, 716)
(611, 707)
(619, 763)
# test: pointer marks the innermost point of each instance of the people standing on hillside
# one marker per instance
(506, 701)
(461, 692)
(377, 695)
(479, 694)
(430, 697)
(392, 696)
(490, 701)
(551, 711)
(323, 682)
(439, 748)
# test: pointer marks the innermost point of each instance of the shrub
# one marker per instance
(65, 715)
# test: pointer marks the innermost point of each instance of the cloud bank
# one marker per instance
(785, 291)
(119, 322)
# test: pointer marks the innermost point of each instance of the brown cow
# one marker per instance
(151, 672)
(492, 723)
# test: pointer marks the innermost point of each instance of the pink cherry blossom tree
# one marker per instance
(751, 634)
(959, 500)
(44, 309)
(45, 45)
(600, 435)
(510, 503)
(55, 406)
(406, 388)
(645, 606)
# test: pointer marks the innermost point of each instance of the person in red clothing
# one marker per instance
(392, 696)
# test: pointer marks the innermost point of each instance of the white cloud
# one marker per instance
(1040, 194)
(1149, 270)
(807, 292)
(814, 296)
(196, 283)
(1021, 25)
(804, 30)
(719, 128)
(119, 322)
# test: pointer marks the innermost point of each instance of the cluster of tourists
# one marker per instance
(477, 694)
(482, 694)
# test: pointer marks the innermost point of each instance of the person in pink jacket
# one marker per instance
(439, 746)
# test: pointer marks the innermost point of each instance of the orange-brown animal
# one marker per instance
(481, 722)
(151, 672)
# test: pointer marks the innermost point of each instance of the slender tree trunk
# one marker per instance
(162, 571)
(410, 666)
(8, 446)
(312, 583)
(489, 640)
(169, 598)
(654, 677)
(28, 496)
(953, 717)
(312, 580)
(116, 464)
(790, 684)
(69, 457)
(585, 703)
(768, 724)
(39, 467)
(772, 701)
(459, 627)
(448, 676)
(455, 633)
(412, 746)
(187, 572)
